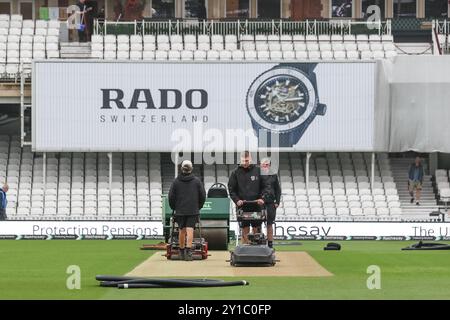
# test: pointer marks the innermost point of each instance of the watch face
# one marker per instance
(281, 99)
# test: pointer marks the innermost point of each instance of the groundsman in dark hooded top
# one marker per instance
(245, 184)
(186, 197)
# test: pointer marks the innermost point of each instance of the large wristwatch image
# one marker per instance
(282, 102)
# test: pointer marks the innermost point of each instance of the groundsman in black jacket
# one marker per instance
(186, 197)
(273, 196)
(245, 184)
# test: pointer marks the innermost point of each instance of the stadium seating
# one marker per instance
(77, 185)
(24, 40)
(442, 184)
(21, 41)
(247, 47)
(339, 188)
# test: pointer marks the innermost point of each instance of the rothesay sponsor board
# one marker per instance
(141, 230)
(162, 107)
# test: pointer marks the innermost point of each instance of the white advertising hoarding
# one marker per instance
(160, 107)
(291, 229)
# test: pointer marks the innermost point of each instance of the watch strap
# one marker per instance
(267, 139)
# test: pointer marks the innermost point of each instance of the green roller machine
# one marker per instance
(215, 222)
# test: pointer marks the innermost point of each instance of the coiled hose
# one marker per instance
(133, 282)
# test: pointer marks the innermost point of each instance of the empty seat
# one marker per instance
(316, 211)
(150, 55)
(351, 46)
(250, 55)
(314, 55)
(394, 204)
(230, 38)
(352, 55)
(149, 38)
(343, 211)
(362, 38)
(364, 46)
(173, 55)
(327, 55)
(162, 38)
(274, 47)
(110, 55)
(262, 46)
(312, 46)
(212, 55)
(263, 55)
(199, 55)
(135, 55)
(207, 47)
(248, 46)
(231, 46)
(356, 211)
(382, 211)
(288, 55)
(339, 46)
(216, 38)
(225, 55)
(368, 204)
(288, 46)
(103, 211)
(354, 204)
(97, 54)
(176, 46)
(190, 38)
(380, 204)
(237, 55)
(187, 55)
(300, 46)
(369, 211)
(339, 55)
(149, 46)
(366, 55)
(175, 39)
(301, 55)
(276, 55)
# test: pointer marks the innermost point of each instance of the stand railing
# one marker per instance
(442, 26)
(441, 29)
(239, 27)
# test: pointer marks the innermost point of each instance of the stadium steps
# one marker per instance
(75, 50)
(428, 203)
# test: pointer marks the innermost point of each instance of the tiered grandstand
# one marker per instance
(24, 40)
(76, 186)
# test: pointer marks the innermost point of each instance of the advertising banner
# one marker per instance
(142, 106)
(141, 230)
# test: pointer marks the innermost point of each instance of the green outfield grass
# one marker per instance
(37, 270)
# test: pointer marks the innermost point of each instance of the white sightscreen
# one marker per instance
(420, 100)
(217, 102)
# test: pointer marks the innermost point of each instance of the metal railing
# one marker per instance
(239, 27)
(442, 30)
(442, 26)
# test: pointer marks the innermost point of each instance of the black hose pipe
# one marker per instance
(139, 285)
